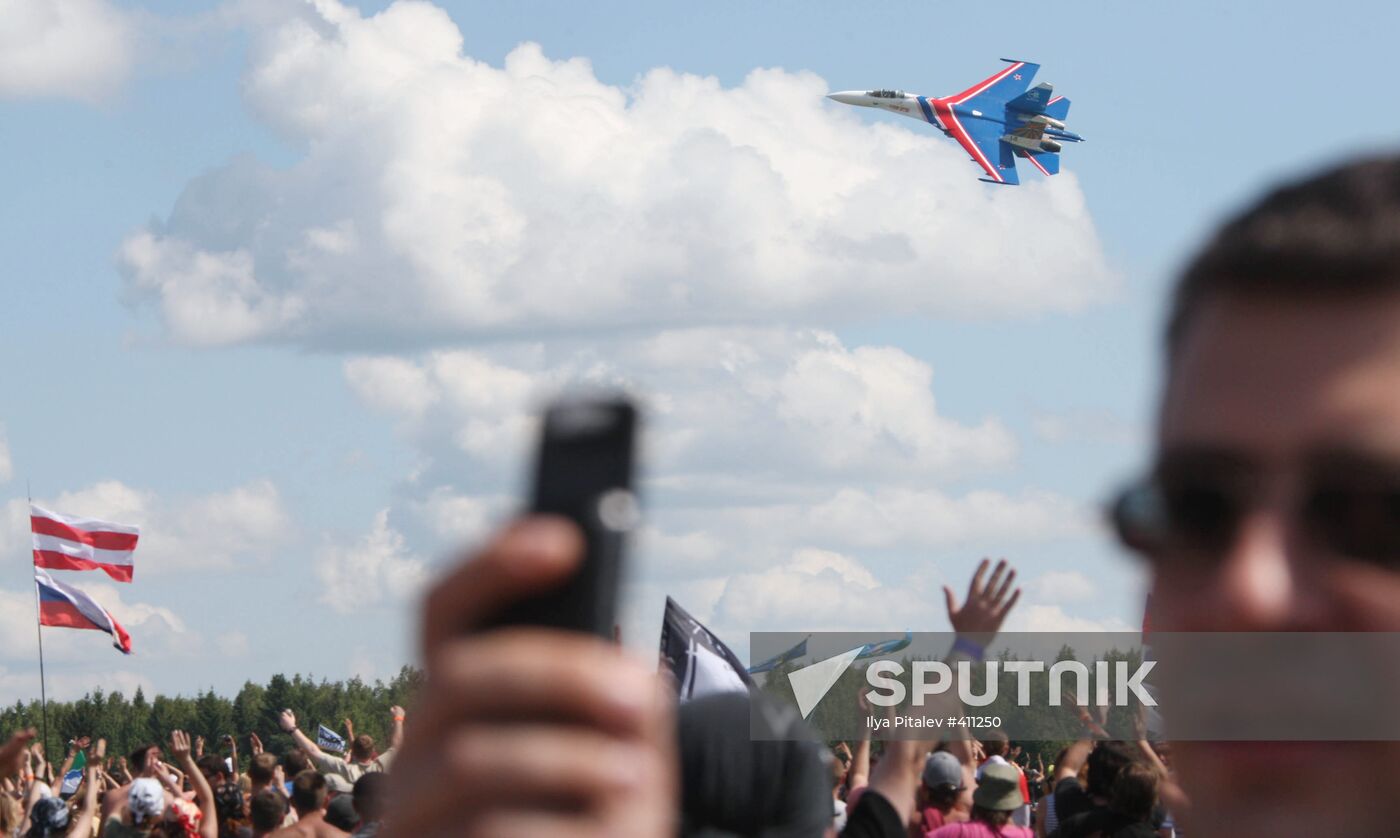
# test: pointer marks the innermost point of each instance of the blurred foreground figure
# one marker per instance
(1274, 504)
(525, 731)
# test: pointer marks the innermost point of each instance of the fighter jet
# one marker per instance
(996, 120)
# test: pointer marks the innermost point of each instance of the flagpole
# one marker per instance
(39, 630)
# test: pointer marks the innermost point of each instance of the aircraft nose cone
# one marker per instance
(847, 97)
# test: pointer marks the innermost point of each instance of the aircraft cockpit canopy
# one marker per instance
(886, 94)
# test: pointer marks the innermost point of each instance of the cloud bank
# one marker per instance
(439, 197)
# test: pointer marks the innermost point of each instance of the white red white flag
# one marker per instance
(63, 542)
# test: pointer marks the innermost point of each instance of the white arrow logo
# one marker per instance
(810, 683)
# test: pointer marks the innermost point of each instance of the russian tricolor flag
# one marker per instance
(62, 542)
(66, 606)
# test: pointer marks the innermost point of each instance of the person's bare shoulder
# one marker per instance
(309, 829)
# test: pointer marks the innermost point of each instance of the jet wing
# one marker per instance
(992, 93)
(982, 140)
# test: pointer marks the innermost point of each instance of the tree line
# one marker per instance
(127, 723)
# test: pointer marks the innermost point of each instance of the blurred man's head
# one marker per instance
(371, 796)
(942, 779)
(309, 792)
(1134, 791)
(1105, 763)
(213, 769)
(1278, 471)
(362, 749)
(261, 768)
(267, 810)
(295, 761)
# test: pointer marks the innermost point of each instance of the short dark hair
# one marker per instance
(295, 761)
(211, 766)
(362, 749)
(992, 817)
(267, 810)
(1135, 791)
(261, 768)
(309, 792)
(1335, 234)
(942, 796)
(137, 758)
(1106, 762)
(371, 791)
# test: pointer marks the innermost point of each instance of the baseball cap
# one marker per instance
(49, 816)
(341, 813)
(999, 789)
(942, 769)
(339, 784)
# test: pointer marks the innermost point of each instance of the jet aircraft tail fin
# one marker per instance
(1057, 108)
(1033, 100)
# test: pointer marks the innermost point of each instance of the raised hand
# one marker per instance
(179, 745)
(198, 747)
(287, 720)
(527, 730)
(255, 744)
(12, 752)
(1070, 702)
(987, 604)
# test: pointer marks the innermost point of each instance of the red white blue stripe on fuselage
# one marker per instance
(948, 112)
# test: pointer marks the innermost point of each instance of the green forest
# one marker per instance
(129, 721)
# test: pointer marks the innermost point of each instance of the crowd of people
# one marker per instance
(180, 790)
(1271, 507)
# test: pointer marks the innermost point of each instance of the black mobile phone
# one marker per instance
(584, 472)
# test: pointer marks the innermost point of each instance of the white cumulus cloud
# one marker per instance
(377, 568)
(77, 49)
(1053, 618)
(1063, 587)
(821, 590)
(438, 196)
(769, 406)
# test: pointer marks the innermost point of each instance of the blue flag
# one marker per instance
(327, 738)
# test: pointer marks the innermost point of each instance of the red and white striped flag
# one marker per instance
(62, 542)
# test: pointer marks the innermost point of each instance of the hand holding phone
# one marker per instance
(584, 472)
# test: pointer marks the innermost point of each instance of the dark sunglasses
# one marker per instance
(1356, 516)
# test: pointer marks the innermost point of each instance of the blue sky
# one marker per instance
(838, 438)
